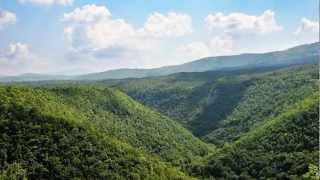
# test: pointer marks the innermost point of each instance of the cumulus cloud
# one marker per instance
(307, 26)
(7, 18)
(221, 45)
(17, 58)
(16, 50)
(48, 2)
(240, 23)
(170, 25)
(194, 50)
(216, 46)
(92, 29)
(86, 14)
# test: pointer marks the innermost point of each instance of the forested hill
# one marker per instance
(246, 123)
(304, 54)
(117, 115)
(263, 121)
(43, 138)
(283, 147)
(219, 106)
(268, 96)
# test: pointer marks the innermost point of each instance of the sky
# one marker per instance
(81, 36)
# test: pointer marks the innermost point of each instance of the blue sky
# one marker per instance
(143, 33)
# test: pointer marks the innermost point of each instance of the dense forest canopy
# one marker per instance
(45, 139)
(254, 122)
(283, 147)
(218, 106)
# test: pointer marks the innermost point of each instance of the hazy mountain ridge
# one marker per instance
(303, 54)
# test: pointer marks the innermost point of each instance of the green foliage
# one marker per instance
(267, 97)
(117, 115)
(220, 106)
(264, 120)
(280, 148)
(312, 174)
(13, 171)
(53, 141)
(196, 100)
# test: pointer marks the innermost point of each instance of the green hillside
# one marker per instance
(283, 147)
(258, 123)
(191, 98)
(220, 105)
(119, 116)
(42, 138)
(267, 97)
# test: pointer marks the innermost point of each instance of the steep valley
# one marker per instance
(254, 122)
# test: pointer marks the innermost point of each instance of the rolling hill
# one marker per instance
(115, 115)
(42, 138)
(267, 97)
(283, 147)
(219, 106)
(297, 55)
(257, 119)
(33, 77)
(188, 96)
(303, 54)
(263, 119)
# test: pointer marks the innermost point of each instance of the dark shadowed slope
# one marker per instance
(220, 105)
(191, 97)
(267, 97)
(283, 147)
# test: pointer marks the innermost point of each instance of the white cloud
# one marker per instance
(16, 50)
(307, 26)
(195, 50)
(17, 58)
(48, 2)
(157, 25)
(170, 25)
(87, 13)
(6, 18)
(240, 23)
(219, 45)
(92, 29)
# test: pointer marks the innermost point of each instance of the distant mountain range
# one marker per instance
(303, 54)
